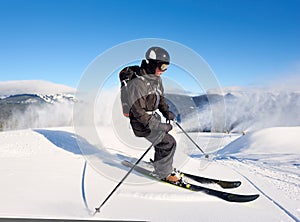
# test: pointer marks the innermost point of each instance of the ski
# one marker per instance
(231, 197)
(204, 180)
(221, 183)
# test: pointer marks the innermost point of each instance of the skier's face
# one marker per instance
(160, 69)
(158, 72)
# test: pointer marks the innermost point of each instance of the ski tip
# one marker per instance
(229, 185)
(256, 196)
(238, 183)
(244, 198)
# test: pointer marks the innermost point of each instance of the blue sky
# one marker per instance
(244, 42)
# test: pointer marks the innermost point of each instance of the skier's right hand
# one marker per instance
(166, 127)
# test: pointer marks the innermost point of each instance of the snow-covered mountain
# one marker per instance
(35, 103)
(244, 109)
(36, 87)
(236, 109)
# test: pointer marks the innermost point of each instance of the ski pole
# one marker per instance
(206, 155)
(97, 210)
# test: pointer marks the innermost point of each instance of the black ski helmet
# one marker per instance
(158, 54)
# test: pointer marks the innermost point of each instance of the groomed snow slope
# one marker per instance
(42, 175)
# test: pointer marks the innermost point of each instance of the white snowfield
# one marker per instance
(42, 176)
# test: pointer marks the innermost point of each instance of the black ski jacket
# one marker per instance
(146, 96)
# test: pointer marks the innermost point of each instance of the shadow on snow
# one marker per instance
(78, 145)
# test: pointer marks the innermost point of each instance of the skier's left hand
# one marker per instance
(169, 115)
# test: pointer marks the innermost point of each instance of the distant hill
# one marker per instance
(29, 103)
(40, 87)
(33, 104)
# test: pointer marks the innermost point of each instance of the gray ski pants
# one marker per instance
(164, 153)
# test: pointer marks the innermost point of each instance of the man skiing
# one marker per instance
(146, 95)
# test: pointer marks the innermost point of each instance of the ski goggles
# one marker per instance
(163, 66)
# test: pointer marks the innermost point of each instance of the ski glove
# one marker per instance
(169, 115)
(166, 127)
